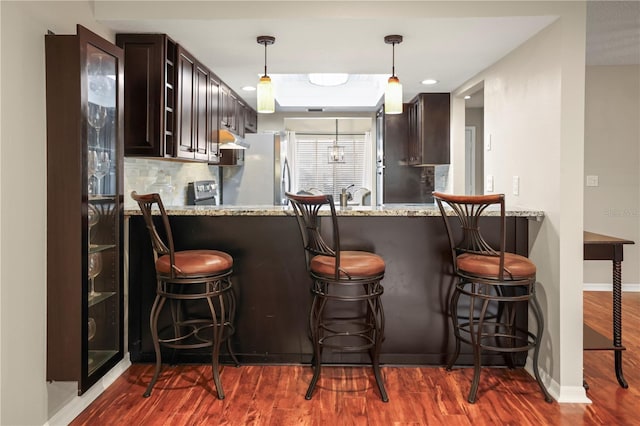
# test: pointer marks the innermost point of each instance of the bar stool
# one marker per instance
(346, 311)
(189, 275)
(495, 283)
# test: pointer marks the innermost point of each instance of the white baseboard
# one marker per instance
(562, 394)
(72, 409)
(630, 287)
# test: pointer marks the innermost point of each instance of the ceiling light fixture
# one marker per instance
(393, 93)
(328, 79)
(266, 100)
(429, 81)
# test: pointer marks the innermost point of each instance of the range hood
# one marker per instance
(229, 140)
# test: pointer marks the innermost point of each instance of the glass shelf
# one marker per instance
(99, 358)
(96, 248)
(94, 300)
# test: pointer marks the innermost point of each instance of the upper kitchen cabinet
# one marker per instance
(149, 94)
(429, 129)
(250, 120)
(192, 107)
(84, 101)
(174, 104)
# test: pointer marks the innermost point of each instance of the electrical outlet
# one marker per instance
(489, 183)
(592, 180)
(515, 185)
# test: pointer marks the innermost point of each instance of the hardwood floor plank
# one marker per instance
(265, 395)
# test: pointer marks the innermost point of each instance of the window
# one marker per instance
(317, 168)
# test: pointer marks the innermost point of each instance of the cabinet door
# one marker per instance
(185, 104)
(226, 110)
(214, 119)
(200, 113)
(240, 117)
(434, 128)
(234, 112)
(148, 94)
(250, 120)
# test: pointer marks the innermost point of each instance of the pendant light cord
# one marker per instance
(265, 60)
(393, 59)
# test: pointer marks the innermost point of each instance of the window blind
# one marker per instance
(315, 170)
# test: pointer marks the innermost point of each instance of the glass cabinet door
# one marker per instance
(102, 336)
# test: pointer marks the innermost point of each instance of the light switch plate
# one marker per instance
(592, 180)
(489, 183)
(515, 185)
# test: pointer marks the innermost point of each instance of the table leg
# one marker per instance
(617, 320)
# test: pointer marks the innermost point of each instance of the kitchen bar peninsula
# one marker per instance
(273, 287)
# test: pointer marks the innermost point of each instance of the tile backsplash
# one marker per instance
(169, 178)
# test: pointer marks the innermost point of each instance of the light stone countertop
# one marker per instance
(384, 210)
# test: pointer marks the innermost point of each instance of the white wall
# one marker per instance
(24, 396)
(534, 104)
(612, 152)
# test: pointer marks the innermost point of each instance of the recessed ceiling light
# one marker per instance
(468, 97)
(429, 81)
(249, 88)
(328, 79)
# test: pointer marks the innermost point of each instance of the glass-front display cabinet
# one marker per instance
(84, 207)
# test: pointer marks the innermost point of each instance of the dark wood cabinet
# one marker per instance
(250, 120)
(84, 101)
(429, 129)
(232, 157)
(192, 107)
(227, 108)
(174, 104)
(149, 94)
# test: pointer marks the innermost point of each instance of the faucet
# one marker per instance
(346, 196)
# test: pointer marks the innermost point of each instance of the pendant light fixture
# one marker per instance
(393, 93)
(266, 100)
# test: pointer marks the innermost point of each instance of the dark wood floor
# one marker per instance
(274, 395)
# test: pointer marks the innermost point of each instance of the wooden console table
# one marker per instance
(604, 247)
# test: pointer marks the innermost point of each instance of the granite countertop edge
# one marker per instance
(384, 210)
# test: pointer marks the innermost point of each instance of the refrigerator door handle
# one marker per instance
(287, 173)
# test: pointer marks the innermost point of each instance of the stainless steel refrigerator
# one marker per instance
(265, 175)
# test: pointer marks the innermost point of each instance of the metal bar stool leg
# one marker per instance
(453, 309)
(218, 328)
(316, 324)
(231, 300)
(475, 332)
(158, 303)
(535, 307)
(377, 313)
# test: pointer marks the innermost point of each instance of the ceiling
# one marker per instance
(348, 37)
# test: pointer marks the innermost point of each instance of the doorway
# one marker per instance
(474, 141)
(470, 160)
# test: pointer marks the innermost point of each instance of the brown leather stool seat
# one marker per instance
(195, 263)
(346, 312)
(492, 282)
(352, 264)
(184, 278)
(515, 266)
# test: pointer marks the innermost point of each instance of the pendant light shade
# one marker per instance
(393, 92)
(266, 100)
